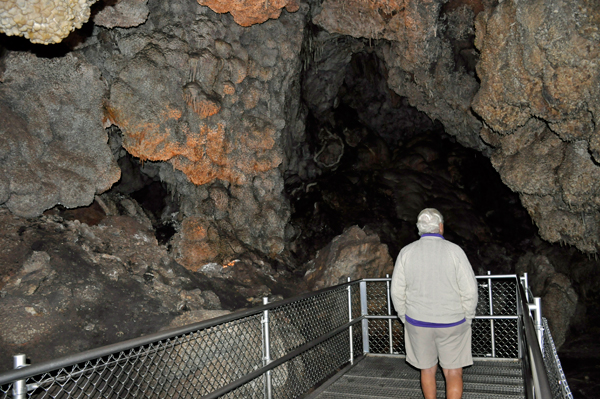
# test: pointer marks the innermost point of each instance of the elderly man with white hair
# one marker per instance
(434, 292)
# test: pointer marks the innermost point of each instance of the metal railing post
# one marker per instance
(20, 387)
(350, 319)
(389, 310)
(266, 350)
(364, 311)
(525, 286)
(538, 322)
(490, 296)
(520, 310)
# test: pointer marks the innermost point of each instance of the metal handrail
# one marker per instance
(537, 385)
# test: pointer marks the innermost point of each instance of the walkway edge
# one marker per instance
(333, 379)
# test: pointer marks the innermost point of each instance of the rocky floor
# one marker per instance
(580, 358)
(68, 286)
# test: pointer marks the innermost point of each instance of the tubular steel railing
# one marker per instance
(278, 350)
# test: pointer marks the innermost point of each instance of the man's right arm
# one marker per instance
(398, 289)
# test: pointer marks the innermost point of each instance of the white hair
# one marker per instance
(429, 220)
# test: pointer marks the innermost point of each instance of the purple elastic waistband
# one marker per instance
(418, 323)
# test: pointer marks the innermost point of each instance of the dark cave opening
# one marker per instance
(378, 161)
(149, 192)
(152, 198)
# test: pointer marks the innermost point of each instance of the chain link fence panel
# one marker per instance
(490, 337)
(197, 363)
(556, 376)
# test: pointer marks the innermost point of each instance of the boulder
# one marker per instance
(559, 299)
(354, 254)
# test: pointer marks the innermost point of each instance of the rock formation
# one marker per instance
(123, 14)
(204, 98)
(54, 147)
(43, 21)
(247, 13)
(559, 299)
(354, 254)
(108, 280)
(540, 98)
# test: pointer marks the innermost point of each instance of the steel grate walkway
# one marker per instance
(390, 377)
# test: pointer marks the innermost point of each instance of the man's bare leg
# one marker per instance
(454, 383)
(428, 384)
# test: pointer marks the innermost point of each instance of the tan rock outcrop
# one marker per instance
(247, 13)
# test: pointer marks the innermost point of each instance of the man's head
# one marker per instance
(430, 220)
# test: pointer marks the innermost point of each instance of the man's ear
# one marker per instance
(442, 228)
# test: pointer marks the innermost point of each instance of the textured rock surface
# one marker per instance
(52, 144)
(43, 21)
(209, 97)
(353, 254)
(96, 284)
(540, 99)
(427, 55)
(559, 299)
(68, 286)
(123, 14)
(250, 12)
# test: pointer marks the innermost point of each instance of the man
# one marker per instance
(434, 292)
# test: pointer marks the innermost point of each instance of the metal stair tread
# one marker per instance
(479, 386)
(406, 389)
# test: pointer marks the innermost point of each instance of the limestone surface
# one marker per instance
(208, 101)
(123, 14)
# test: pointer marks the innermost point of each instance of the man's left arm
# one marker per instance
(467, 284)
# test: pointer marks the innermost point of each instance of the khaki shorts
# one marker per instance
(451, 345)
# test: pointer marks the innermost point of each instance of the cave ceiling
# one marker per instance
(215, 97)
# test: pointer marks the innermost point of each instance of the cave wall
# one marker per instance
(531, 104)
(211, 93)
(201, 99)
(540, 99)
(210, 98)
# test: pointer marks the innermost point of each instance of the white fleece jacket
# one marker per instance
(433, 281)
